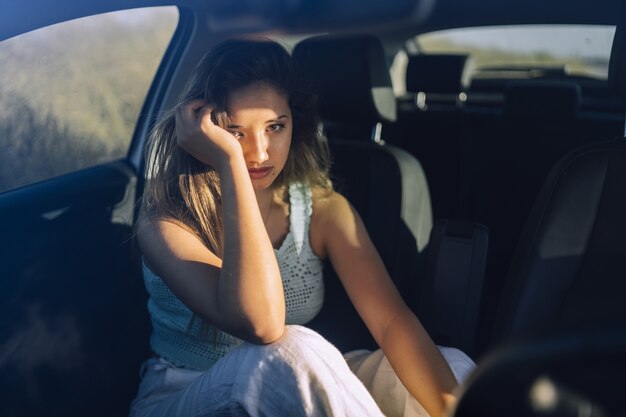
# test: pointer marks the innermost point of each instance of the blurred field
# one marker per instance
(487, 57)
(70, 94)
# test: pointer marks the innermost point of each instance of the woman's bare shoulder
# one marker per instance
(326, 203)
(151, 225)
(158, 232)
(329, 207)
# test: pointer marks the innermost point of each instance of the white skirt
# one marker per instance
(301, 374)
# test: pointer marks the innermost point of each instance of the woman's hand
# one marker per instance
(201, 138)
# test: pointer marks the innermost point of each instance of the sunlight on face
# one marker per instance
(260, 118)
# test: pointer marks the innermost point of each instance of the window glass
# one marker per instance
(71, 93)
(576, 49)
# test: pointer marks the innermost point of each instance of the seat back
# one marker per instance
(352, 81)
(540, 102)
(537, 127)
(429, 121)
(569, 267)
(436, 79)
(385, 184)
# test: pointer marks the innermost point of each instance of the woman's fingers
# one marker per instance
(192, 111)
(197, 133)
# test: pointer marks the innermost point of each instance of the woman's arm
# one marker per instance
(242, 293)
(411, 352)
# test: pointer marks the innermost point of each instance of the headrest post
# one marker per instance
(377, 133)
(420, 100)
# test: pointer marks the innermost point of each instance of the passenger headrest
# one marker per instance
(435, 73)
(542, 99)
(350, 76)
(617, 64)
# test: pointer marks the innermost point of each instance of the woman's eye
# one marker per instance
(276, 127)
(236, 134)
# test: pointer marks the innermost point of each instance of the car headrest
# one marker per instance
(542, 99)
(350, 77)
(435, 73)
(617, 63)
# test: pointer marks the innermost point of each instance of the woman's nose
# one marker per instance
(256, 149)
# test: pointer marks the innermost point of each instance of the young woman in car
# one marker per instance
(238, 214)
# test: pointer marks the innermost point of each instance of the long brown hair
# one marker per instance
(187, 191)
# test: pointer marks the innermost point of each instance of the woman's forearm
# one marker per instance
(250, 288)
(418, 363)
(249, 300)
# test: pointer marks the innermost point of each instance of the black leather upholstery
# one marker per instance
(435, 73)
(352, 80)
(562, 316)
(570, 266)
(350, 75)
(539, 126)
(386, 185)
(542, 101)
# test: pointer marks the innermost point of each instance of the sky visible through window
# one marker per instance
(561, 40)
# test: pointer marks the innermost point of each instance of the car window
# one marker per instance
(71, 93)
(582, 50)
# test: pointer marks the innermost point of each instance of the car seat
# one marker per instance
(432, 109)
(561, 328)
(568, 269)
(436, 79)
(386, 185)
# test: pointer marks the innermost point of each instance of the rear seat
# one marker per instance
(569, 267)
(434, 81)
(507, 159)
(562, 318)
(431, 112)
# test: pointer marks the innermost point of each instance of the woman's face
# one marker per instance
(260, 118)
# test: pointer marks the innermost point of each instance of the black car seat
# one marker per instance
(436, 79)
(431, 109)
(561, 328)
(507, 162)
(569, 267)
(386, 185)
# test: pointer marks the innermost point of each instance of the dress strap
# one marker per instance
(301, 208)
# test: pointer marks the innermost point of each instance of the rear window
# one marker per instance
(577, 50)
(71, 93)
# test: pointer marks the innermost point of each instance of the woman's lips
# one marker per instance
(258, 173)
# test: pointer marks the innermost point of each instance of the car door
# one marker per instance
(74, 327)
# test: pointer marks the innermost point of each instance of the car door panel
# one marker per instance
(74, 327)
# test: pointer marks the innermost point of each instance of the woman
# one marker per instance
(238, 214)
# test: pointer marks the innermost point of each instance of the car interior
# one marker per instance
(496, 196)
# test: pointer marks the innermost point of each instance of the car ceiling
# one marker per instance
(395, 18)
(466, 13)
